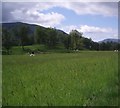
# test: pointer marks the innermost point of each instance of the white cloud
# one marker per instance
(88, 29)
(21, 10)
(104, 9)
(96, 33)
(31, 13)
(67, 29)
(93, 29)
(82, 8)
(35, 17)
(99, 33)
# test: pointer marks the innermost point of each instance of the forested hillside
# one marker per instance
(22, 34)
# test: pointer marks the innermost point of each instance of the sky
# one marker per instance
(96, 20)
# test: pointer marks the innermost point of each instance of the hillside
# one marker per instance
(14, 35)
(14, 28)
(32, 27)
(110, 40)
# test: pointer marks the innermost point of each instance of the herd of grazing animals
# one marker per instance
(33, 54)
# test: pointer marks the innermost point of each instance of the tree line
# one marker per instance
(51, 37)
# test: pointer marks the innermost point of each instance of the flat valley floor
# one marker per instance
(87, 78)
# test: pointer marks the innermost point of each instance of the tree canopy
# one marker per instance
(21, 35)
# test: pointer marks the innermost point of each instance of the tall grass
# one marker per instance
(68, 79)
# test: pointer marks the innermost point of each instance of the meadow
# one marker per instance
(86, 78)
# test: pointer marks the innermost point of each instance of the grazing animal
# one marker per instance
(115, 50)
(32, 54)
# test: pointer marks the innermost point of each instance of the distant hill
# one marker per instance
(16, 25)
(110, 40)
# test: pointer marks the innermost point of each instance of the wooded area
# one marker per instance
(22, 35)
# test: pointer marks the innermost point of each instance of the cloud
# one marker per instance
(35, 17)
(30, 13)
(96, 33)
(97, 8)
(91, 8)
(33, 12)
(93, 29)
(88, 29)
(67, 29)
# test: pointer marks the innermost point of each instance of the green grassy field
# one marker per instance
(61, 79)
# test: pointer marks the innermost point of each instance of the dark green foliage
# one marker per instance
(109, 46)
(95, 46)
(67, 42)
(87, 43)
(51, 38)
(47, 37)
(6, 40)
(22, 34)
(40, 35)
(76, 41)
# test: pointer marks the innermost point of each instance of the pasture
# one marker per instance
(61, 79)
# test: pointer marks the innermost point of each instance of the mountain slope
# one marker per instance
(16, 25)
(110, 40)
